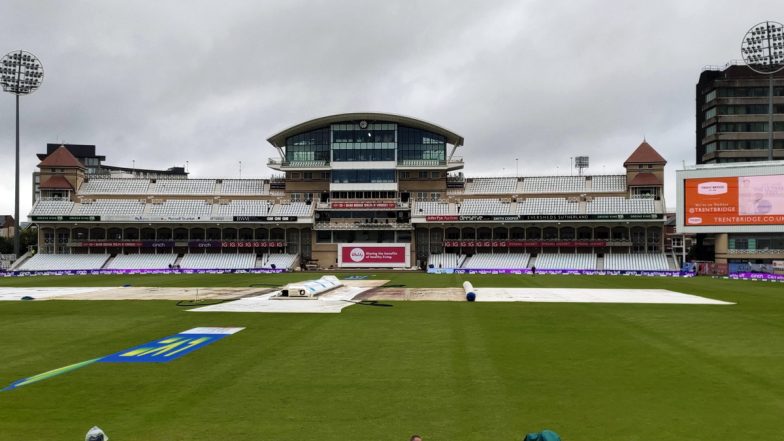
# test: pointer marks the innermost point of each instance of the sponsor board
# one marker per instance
(542, 217)
(265, 218)
(373, 255)
(524, 243)
(140, 271)
(351, 205)
(157, 351)
(65, 218)
(574, 272)
(735, 200)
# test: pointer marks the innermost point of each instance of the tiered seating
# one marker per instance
(566, 261)
(6, 260)
(445, 260)
(142, 261)
(620, 205)
(54, 262)
(115, 186)
(484, 206)
(184, 186)
(491, 185)
(245, 208)
(107, 207)
(51, 208)
(554, 184)
(244, 186)
(292, 209)
(425, 208)
(181, 208)
(285, 261)
(608, 183)
(547, 206)
(218, 261)
(497, 261)
(636, 262)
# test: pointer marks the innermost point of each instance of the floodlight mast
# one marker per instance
(21, 73)
(763, 52)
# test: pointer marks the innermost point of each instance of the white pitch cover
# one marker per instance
(211, 330)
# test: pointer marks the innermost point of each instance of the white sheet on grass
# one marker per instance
(330, 302)
(43, 293)
(581, 295)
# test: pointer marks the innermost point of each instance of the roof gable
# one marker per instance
(645, 154)
(61, 158)
(56, 183)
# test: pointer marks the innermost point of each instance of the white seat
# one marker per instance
(218, 261)
(497, 261)
(581, 261)
(54, 262)
(142, 261)
(636, 262)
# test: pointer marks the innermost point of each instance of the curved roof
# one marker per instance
(279, 139)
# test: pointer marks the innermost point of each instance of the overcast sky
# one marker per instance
(165, 82)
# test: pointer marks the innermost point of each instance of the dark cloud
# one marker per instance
(165, 82)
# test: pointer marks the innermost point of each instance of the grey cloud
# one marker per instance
(207, 82)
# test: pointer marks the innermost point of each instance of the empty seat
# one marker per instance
(195, 208)
(142, 261)
(55, 262)
(52, 208)
(491, 185)
(547, 206)
(484, 207)
(245, 208)
(445, 260)
(108, 207)
(426, 208)
(608, 183)
(244, 186)
(497, 261)
(292, 209)
(636, 262)
(554, 184)
(218, 261)
(115, 186)
(184, 186)
(620, 205)
(281, 261)
(582, 261)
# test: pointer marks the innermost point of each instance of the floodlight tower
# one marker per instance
(21, 73)
(763, 52)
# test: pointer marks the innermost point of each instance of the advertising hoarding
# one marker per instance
(353, 255)
(735, 200)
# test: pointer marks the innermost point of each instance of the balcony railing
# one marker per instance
(297, 164)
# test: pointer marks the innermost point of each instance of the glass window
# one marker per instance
(363, 176)
(310, 146)
(416, 144)
(423, 175)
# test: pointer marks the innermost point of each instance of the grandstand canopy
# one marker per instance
(279, 139)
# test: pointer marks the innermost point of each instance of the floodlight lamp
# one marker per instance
(23, 73)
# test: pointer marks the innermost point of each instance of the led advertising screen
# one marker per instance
(737, 200)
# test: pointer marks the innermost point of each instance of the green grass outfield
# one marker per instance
(448, 370)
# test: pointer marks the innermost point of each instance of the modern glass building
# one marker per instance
(732, 115)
